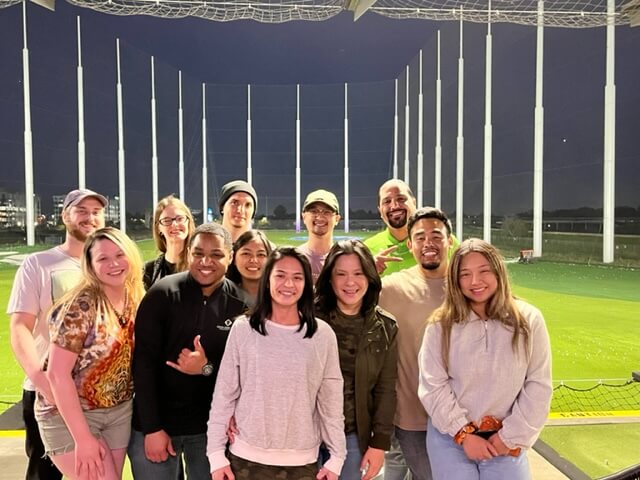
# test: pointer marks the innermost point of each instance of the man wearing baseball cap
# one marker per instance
(320, 214)
(238, 204)
(42, 279)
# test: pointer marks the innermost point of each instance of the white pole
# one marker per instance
(81, 142)
(460, 142)
(204, 156)
(395, 136)
(346, 160)
(121, 164)
(538, 148)
(488, 134)
(154, 138)
(249, 164)
(298, 169)
(608, 197)
(420, 160)
(28, 138)
(180, 139)
(406, 130)
(438, 150)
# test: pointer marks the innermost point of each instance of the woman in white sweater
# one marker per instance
(485, 372)
(280, 379)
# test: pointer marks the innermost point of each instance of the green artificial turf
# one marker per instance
(597, 450)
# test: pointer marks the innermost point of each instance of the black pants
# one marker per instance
(39, 466)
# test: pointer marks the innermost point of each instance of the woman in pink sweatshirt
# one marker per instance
(280, 379)
(485, 372)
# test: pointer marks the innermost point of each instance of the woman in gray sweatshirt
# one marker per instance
(280, 380)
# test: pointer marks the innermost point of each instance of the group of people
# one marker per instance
(227, 357)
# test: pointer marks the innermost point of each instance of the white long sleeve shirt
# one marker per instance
(487, 377)
(286, 394)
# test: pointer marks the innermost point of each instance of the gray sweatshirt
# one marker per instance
(286, 394)
(486, 377)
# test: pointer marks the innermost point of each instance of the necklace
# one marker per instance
(122, 319)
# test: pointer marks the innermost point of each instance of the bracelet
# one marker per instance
(469, 429)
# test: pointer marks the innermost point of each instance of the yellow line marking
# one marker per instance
(595, 414)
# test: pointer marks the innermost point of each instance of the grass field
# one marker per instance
(592, 313)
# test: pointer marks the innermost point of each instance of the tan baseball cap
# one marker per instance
(322, 196)
(74, 197)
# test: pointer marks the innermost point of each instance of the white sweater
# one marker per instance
(286, 394)
(486, 377)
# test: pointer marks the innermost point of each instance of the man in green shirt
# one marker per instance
(396, 203)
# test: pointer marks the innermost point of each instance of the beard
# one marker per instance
(430, 265)
(78, 234)
(398, 222)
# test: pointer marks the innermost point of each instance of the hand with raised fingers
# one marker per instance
(190, 362)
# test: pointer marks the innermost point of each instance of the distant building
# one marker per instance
(13, 211)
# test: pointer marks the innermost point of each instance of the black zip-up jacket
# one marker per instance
(171, 314)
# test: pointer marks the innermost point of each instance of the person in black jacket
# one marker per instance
(181, 330)
(347, 293)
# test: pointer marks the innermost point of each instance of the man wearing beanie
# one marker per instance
(238, 204)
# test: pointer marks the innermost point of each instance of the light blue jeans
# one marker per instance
(193, 447)
(449, 462)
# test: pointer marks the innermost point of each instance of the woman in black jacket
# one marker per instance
(347, 294)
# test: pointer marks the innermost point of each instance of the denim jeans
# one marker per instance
(192, 447)
(414, 450)
(395, 467)
(449, 462)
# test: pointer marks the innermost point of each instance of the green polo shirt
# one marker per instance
(383, 240)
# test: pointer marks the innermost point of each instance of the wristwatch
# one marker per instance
(468, 429)
(207, 369)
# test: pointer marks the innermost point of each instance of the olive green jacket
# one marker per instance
(375, 382)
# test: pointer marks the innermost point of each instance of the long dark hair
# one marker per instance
(326, 300)
(264, 306)
(233, 273)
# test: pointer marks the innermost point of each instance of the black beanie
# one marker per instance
(237, 186)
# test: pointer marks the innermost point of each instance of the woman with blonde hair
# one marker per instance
(173, 226)
(485, 372)
(85, 426)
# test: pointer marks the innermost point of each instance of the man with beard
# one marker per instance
(320, 214)
(41, 280)
(396, 203)
(238, 204)
(181, 330)
(411, 295)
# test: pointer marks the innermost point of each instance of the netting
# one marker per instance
(557, 13)
(601, 398)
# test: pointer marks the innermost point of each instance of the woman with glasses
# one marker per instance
(485, 372)
(85, 426)
(250, 252)
(280, 379)
(173, 225)
(347, 294)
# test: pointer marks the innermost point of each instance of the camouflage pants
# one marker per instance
(247, 470)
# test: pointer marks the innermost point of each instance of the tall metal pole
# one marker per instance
(406, 130)
(395, 135)
(346, 159)
(608, 196)
(28, 138)
(438, 150)
(154, 138)
(205, 193)
(81, 142)
(460, 141)
(420, 159)
(121, 165)
(298, 159)
(249, 148)
(180, 139)
(488, 134)
(538, 146)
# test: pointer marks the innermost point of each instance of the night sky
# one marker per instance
(368, 54)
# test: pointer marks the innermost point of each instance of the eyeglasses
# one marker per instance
(168, 221)
(318, 212)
